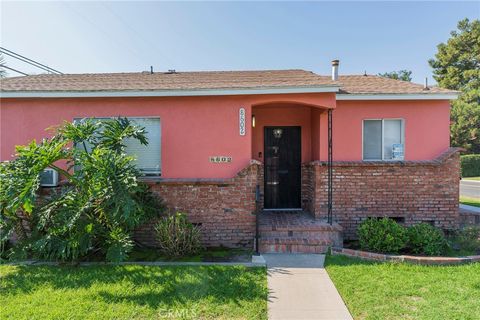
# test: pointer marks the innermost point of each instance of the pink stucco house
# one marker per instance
(312, 155)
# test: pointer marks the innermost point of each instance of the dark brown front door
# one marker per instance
(282, 167)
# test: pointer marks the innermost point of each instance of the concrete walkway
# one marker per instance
(470, 208)
(300, 288)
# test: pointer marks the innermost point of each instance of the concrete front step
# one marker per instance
(294, 245)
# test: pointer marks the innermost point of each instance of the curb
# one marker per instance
(256, 262)
(470, 208)
(371, 256)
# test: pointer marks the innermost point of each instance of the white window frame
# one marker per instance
(134, 117)
(383, 151)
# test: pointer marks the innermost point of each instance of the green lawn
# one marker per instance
(216, 254)
(133, 292)
(471, 178)
(470, 201)
(405, 291)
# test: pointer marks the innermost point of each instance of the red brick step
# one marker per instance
(296, 232)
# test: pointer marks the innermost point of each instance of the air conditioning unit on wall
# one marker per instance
(49, 178)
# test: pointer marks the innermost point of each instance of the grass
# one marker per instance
(470, 201)
(405, 291)
(215, 254)
(471, 178)
(133, 292)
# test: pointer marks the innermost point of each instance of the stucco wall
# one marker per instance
(194, 128)
(427, 124)
(282, 115)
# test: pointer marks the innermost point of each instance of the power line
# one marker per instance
(29, 61)
(4, 66)
(124, 46)
(138, 34)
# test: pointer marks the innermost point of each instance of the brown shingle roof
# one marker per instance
(361, 84)
(166, 81)
(144, 81)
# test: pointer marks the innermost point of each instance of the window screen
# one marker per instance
(379, 137)
(147, 158)
(392, 134)
(372, 139)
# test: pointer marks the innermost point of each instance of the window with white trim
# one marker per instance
(383, 139)
(147, 158)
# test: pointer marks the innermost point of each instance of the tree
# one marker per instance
(404, 75)
(456, 66)
(96, 210)
(3, 72)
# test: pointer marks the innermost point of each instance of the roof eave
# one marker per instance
(169, 93)
(398, 96)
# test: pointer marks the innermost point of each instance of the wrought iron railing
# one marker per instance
(257, 213)
(330, 168)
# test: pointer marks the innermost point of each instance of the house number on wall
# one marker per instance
(220, 159)
(241, 121)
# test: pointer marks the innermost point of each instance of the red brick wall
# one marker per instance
(414, 190)
(224, 207)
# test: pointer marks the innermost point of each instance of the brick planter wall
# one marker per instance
(413, 190)
(223, 208)
(469, 218)
(372, 256)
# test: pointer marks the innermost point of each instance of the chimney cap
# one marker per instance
(335, 62)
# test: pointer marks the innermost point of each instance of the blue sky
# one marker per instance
(78, 37)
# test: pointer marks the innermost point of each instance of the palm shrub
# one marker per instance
(177, 237)
(382, 235)
(97, 208)
(424, 238)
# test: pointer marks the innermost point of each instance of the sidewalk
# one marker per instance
(300, 288)
(470, 208)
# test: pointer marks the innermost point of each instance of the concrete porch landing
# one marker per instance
(296, 232)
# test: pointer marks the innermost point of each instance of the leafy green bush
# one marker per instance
(468, 238)
(98, 207)
(424, 238)
(382, 235)
(177, 237)
(470, 165)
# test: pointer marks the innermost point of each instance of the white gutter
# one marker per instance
(400, 96)
(165, 93)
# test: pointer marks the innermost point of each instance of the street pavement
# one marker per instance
(470, 188)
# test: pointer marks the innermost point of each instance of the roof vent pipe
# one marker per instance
(425, 86)
(335, 64)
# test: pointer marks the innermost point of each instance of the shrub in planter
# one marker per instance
(382, 235)
(424, 238)
(468, 238)
(177, 237)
